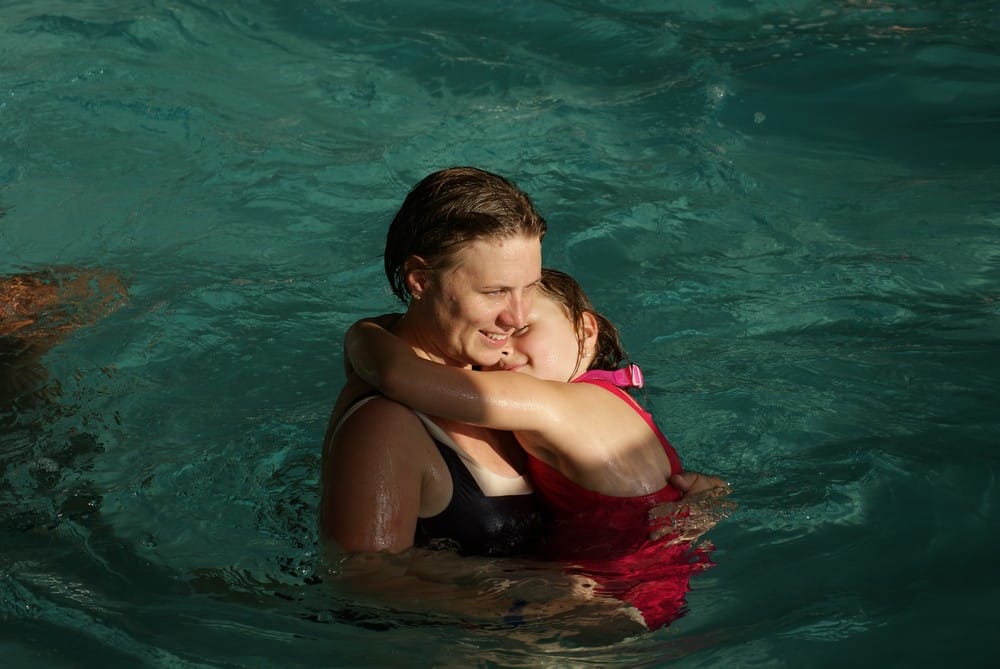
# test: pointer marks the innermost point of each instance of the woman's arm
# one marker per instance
(372, 479)
(498, 400)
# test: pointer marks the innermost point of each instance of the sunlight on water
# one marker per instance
(788, 207)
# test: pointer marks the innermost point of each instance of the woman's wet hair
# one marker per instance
(608, 351)
(449, 209)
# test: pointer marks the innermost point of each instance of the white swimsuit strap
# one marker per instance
(491, 483)
(350, 410)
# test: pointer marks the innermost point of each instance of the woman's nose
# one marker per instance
(516, 313)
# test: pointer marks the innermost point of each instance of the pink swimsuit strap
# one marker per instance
(626, 377)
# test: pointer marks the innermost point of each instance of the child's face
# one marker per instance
(548, 347)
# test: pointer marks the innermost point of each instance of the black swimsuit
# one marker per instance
(474, 523)
(488, 514)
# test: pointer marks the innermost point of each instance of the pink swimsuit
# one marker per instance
(610, 539)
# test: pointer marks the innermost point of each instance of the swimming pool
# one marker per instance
(789, 207)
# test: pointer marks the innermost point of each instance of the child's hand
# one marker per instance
(695, 485)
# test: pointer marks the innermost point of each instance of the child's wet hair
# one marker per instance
(608, 352)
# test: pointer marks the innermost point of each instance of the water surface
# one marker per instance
(789, 207)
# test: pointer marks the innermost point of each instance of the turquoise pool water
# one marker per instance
(790, 207)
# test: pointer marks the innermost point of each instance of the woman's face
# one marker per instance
(548, 347)
(478, 302)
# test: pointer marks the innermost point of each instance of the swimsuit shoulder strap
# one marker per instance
(363, 400)
(491, 483)
(626, 377)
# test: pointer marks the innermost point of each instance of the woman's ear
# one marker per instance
(417, 276)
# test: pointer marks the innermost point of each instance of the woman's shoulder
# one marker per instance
(358, 414)
(380, 435)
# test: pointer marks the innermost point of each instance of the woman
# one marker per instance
(598, 460)
(464, 253)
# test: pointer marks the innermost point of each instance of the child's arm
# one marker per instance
(499, 400)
